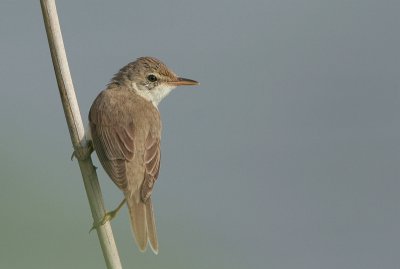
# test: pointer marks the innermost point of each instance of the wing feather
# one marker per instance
(113, 139)
(152, 158)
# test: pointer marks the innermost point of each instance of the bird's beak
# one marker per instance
(183, 82)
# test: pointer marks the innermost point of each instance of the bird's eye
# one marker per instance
(151, 78)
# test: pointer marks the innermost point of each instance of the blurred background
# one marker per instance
(286, 156)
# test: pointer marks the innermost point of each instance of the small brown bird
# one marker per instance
(125, 129)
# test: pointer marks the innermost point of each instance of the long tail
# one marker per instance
(143, 223)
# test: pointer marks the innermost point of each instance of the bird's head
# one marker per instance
(151, 78)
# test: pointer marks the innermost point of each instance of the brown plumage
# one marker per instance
(125, 128)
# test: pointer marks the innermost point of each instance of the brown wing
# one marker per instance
(112, 137)
(152, 156)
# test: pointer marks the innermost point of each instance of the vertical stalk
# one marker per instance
(77, 132)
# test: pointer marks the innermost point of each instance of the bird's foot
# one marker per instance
(83, 153)
(108, 216)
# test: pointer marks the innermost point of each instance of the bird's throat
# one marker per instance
(154, 95)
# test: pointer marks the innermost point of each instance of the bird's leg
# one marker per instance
(108, 216)
(82, 153)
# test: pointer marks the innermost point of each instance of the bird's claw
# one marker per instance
(108, 216)
(83, 153)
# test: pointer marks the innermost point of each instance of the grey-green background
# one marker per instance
(286, 156)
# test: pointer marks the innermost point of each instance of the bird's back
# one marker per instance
(120, 123)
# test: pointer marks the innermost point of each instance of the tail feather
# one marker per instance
(143, 223)
(137, 212)
(151, 226)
